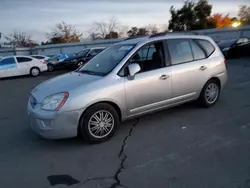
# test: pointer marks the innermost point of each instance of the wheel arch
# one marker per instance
(33, 67)
(111, 103)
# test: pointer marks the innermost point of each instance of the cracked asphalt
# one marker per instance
(183, 147)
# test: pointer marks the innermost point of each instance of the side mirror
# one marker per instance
(133, 69)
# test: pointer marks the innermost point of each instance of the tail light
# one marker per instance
(43, 61)
(225, 62)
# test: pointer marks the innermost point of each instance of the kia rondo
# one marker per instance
(127, 80)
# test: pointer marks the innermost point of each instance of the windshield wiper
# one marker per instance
(91, 72)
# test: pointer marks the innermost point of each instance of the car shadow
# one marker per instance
(43, 74)
(121, 133)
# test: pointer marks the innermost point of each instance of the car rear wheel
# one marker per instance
(99, 123)
(209, 94)
(50, 67)
(34, 71)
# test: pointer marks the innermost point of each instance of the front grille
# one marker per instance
(33, 101)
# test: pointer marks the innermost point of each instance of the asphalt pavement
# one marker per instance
(183, 147)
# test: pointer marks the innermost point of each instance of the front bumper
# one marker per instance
(53, 125)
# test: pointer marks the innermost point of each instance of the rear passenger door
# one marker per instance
(24, 65)
(189, 69)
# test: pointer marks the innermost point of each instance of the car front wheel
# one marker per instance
(99, 123)
(50, 67)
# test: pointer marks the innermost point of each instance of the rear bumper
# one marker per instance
(43, 68)
(223, 79)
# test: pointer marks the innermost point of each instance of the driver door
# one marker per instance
(150, 89)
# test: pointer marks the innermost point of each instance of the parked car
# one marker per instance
(83, 57)
(126, 81)
(21, 65)
(41, 57)
(237, 47)
(57, 61)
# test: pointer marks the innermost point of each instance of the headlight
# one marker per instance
(225, 49)
(55, 101)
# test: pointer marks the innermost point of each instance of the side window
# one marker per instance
(206, 45)
(198, 52)
(8, 61)
(149, 57)
(180, 51)
(38, 57)
(23, 59)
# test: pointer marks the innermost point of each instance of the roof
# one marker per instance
(161, 37)
(93, 48)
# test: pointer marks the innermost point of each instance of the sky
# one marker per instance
(37, 17)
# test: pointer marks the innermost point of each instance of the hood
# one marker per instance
(65, 82)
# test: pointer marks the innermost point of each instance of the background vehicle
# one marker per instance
(57, 61)
(238, 47)
(125, 81)
(21, 65)
(41, 57)
(83, 56)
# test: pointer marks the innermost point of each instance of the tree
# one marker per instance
(94, 36)
(219, 21)
(20, 39)
(105, 30)
(244, 14)
(152, 29)
(191, 16)
(134, 31)
(112, 35)
(202, 12)
(64, 33)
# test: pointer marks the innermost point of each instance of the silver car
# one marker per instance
(127, 80)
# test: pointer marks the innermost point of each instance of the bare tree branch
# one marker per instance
(20, 39)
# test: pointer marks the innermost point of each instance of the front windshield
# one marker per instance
(107, 60)
(83, 52)
(53, 58)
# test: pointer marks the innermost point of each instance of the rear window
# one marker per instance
(206, 45)
(38, 57)
(23, 59)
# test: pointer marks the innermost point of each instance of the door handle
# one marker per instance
(164, 77)
(203, 68)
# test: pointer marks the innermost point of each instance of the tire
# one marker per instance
(34, 71)
(100, 132)
(207, 99)
(50, 68)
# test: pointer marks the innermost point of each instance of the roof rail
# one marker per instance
(191, 32)
(157, 35)
(129, 38)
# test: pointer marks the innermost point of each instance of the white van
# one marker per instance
(21, 65)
